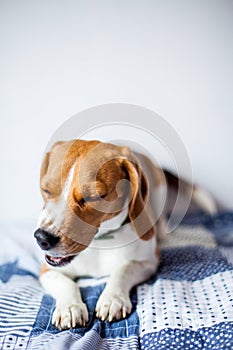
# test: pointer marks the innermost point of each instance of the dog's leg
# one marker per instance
(70, 310)
(114, 302)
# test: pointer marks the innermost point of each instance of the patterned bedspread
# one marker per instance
(188, 304)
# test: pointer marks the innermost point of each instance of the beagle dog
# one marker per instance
(102, 215)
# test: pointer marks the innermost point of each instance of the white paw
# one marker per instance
(70, 315)
(113, 306)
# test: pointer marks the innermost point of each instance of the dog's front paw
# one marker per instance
(113, 306)
(70, 315)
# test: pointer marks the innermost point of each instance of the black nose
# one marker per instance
(45, 239)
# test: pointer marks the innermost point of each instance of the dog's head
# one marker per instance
(83, 184)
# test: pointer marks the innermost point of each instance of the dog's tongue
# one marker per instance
(55, 260)
(58, 261)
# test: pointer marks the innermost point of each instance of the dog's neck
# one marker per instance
(113, 225)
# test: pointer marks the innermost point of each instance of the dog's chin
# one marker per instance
(59, 261)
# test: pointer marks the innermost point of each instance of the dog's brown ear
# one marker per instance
(44, 165)
(139, 208)
(46, 159)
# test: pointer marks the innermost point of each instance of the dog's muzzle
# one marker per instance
(47, 241)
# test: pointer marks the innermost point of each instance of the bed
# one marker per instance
(188, 304)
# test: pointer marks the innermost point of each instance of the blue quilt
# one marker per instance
(188, 304)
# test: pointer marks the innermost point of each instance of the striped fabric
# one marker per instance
(20, 301)
(188, 304)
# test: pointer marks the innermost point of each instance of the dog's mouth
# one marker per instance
(59, 261)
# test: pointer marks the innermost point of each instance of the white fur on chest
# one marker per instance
(103, 256)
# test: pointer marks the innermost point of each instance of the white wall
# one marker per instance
(60, 57)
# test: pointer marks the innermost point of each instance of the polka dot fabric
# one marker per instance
(184, 304)
(189, 304)
(217, 337)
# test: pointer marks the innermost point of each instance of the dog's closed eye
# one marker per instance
(46, 191)
(94, 199)
(90, 199)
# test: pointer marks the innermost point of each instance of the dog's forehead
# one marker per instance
(100, 169)
(91, 160)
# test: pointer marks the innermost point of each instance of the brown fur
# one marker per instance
(44, 268)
